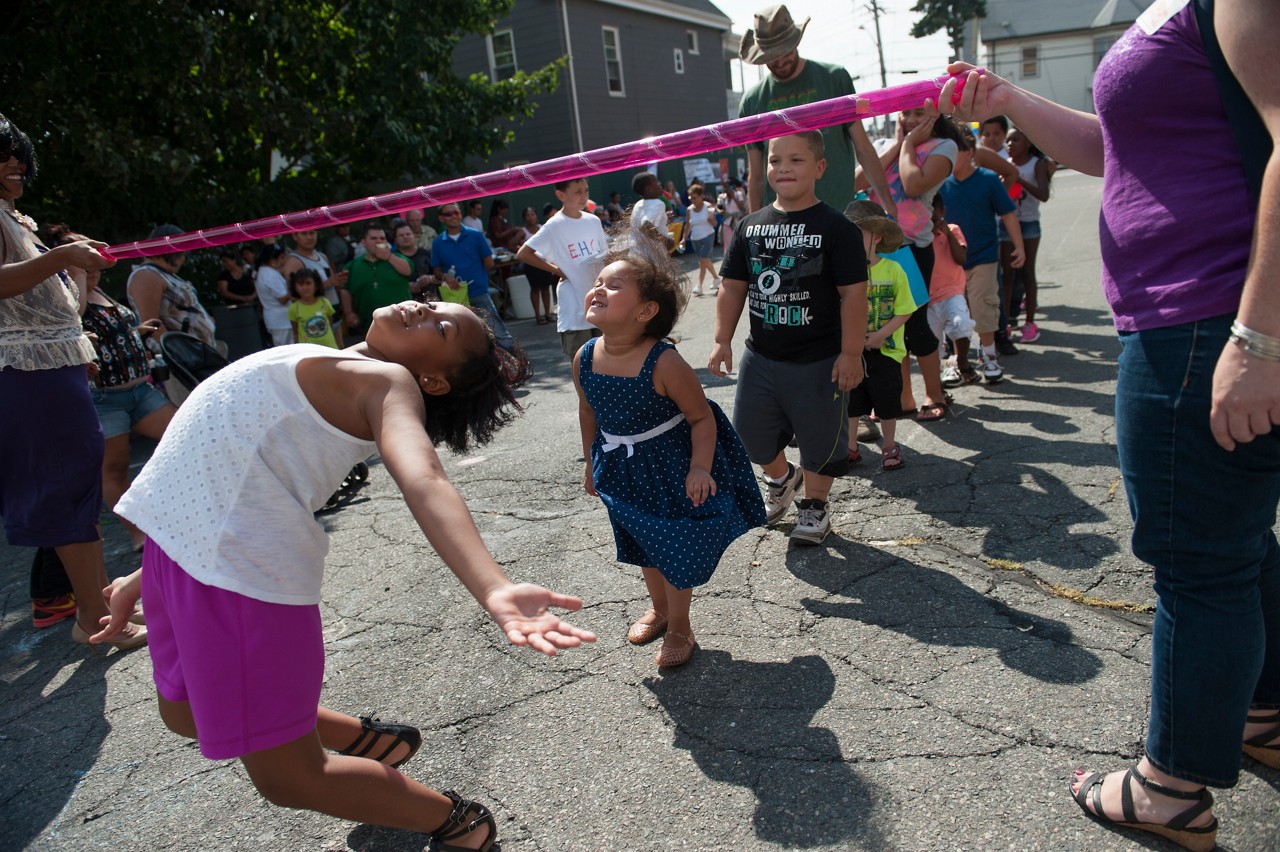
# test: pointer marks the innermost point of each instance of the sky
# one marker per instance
(834, 35)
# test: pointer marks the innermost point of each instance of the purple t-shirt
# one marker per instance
(1177, 219)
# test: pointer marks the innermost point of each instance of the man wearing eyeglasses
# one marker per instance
(462, 254)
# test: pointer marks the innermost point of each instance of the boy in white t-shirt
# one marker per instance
(569, 246)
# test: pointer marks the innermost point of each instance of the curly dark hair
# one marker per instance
(17, 144)
(481, 398)
(658, 277)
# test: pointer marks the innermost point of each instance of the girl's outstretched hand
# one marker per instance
(522, 610)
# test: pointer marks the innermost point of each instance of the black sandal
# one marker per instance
(1201, 839)
(465, 818)
(1260, 747)
(371, 729)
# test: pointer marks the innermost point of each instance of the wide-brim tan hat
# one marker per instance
(870, 216)
(774, 36)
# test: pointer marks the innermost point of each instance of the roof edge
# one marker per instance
(670, 10)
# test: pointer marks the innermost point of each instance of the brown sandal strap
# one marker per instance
(1202, 797)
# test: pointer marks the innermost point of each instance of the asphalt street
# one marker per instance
(974, 629)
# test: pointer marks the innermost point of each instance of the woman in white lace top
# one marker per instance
(50, 442)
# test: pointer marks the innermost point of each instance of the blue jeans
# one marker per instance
(484, 302)
(1204, 519)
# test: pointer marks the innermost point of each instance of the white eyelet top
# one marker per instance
(231, 492)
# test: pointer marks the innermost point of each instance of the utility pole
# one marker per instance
(875, 10)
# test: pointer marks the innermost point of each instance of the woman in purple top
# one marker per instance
(1189, 269)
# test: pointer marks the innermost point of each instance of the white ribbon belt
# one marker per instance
(613, 442)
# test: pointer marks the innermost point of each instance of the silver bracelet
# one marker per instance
(1255, 343)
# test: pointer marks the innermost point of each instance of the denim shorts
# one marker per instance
(120, 409)
(1030, 231)
(702, 247)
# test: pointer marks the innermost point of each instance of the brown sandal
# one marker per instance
(1260, 747)
(642, 633)
(1200, 839)
(670, 657)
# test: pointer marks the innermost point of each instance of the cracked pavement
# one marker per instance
(926, 679)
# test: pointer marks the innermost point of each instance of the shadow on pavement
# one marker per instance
(52, 721)
(1023, 511)
(748, 724)
(935, 608)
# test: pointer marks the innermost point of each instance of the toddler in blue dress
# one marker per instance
(665, 461)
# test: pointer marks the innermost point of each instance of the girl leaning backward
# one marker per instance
(251, 455)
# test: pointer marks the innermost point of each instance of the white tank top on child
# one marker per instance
(1028, 204)
(231, 492)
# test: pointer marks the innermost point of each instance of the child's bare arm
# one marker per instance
(733, 296)
(394, 409)
(1039, 187)
(587, 423)
(847, 372)
(877, 338)
(674, 378)
(959, 251)
(530, 257)
(1005, 170)
(1011, 225)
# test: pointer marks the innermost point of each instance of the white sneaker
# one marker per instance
(991, 368)
(951, 377)
(697, 291)
(813, 524)
(715, 287)
(779, 498)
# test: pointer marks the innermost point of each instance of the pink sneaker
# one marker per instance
(1030, 332)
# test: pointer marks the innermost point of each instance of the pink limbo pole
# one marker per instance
(685, 143)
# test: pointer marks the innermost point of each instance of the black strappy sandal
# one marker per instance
(465, 818)
(1201, 839)
(1259, 747)
(371, 729)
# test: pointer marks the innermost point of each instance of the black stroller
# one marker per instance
(190, 360)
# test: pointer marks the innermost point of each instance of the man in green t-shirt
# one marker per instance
(793, 81)
(375, 279)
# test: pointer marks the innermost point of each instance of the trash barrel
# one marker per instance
(238, 327)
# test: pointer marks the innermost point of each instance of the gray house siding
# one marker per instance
(539, 40)
(656, 100)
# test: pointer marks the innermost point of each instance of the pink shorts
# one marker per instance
(251, 670)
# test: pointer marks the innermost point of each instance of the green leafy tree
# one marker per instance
(949, 15)
(147, 111)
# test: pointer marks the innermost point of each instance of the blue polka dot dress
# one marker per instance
(654, 522)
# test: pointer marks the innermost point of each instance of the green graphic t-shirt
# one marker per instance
(889, 296)
(818, 81)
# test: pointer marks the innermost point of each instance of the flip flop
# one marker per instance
(931, 412)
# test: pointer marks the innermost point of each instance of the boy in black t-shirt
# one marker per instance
(800, 268)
